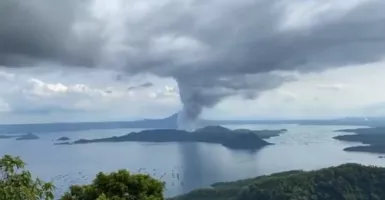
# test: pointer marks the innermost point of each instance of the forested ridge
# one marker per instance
(345, 182)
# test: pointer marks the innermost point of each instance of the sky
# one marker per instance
(98, 60)
(30, 96)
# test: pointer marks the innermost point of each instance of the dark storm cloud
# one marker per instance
(213, 49)
(41, 30)
(244, 39)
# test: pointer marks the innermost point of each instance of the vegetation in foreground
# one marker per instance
(345, 182)
(16, 183)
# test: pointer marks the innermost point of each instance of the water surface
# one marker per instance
(183, 166)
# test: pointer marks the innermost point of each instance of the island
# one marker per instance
(368, 149)
(63, 143)
(7, 136)
(28, 136)
(264, 134)
(63, 139)
(242, 139)
(373, 139)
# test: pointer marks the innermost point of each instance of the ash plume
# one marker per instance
(213, 49)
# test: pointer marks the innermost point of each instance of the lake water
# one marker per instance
(182, 166)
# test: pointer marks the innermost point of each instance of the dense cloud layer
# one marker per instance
(44, 31)
(213, 49)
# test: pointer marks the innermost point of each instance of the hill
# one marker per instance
(233, 139)
(345, 182)
(63, 139)
(28, 136)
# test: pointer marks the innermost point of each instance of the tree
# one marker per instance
(119, 185)
(16, 183)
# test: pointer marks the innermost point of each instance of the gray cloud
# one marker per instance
(44, 31)
(141, 86)
(333, 87)
(213, 49)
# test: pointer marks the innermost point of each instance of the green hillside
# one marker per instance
(345, 182)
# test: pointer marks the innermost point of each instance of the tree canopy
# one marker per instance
(120, 185)
(16, 183)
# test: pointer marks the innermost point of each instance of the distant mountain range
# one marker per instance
(166, 123)
(171, 123)
(349, 121)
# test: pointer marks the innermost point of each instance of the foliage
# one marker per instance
(119, 185)
(16, 183)
(345, 182)
(225, 190)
